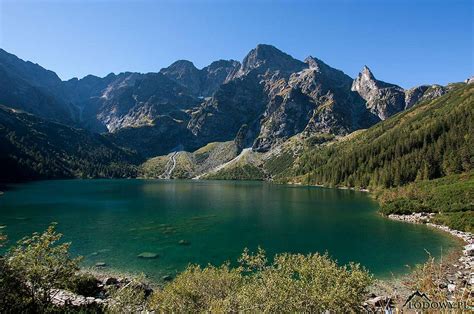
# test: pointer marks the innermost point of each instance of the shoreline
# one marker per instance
(424, 218)
(458, 275)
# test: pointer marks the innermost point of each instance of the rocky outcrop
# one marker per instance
(382, 99)
(317, 99)
(61, 298)
(385, 100)
(422, 93)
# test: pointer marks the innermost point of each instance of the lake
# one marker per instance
(113, 221)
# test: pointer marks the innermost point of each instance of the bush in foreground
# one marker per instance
(38, 264)
(292, 282)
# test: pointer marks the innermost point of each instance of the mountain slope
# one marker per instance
(28, 86)
(185, 165)
(431, 140)
(33, 148)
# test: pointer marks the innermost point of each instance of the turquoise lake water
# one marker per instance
(113, 221)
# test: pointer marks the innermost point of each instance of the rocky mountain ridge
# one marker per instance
(261, 102)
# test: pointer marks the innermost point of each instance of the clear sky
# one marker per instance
(407, 42)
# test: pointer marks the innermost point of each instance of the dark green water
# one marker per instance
(113, 221)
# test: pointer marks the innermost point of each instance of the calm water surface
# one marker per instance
(113, 221)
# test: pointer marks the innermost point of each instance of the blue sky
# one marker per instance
(403, 42)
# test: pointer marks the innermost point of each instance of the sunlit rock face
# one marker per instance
(261, 101)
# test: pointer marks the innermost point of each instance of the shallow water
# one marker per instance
(113, 221)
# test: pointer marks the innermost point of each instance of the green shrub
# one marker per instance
(13, 292)
(41, 264)
(130, 298)
(292, 282)
(459, 220)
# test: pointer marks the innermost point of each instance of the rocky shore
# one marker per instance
(425, 218)
(458, 275)
(105, 283)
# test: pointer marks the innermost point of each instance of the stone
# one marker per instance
(378, 301)
(451, 287)
(167, 278)
(148, 255)
(469, 250)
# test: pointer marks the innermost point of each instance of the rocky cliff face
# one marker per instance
(317, 99)
(136, 100)
(422, 93)
(381, 98)
(385, 100)
(260, 102)
(246, 96)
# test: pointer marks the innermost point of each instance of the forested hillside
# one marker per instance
(33, 148)
(431, 140)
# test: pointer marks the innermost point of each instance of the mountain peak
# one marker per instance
(367, 73)
(180, 65)
(268, 57)
(382, 99)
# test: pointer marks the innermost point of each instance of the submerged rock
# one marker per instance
(167, 278)
(100, 264)
(148, 255)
